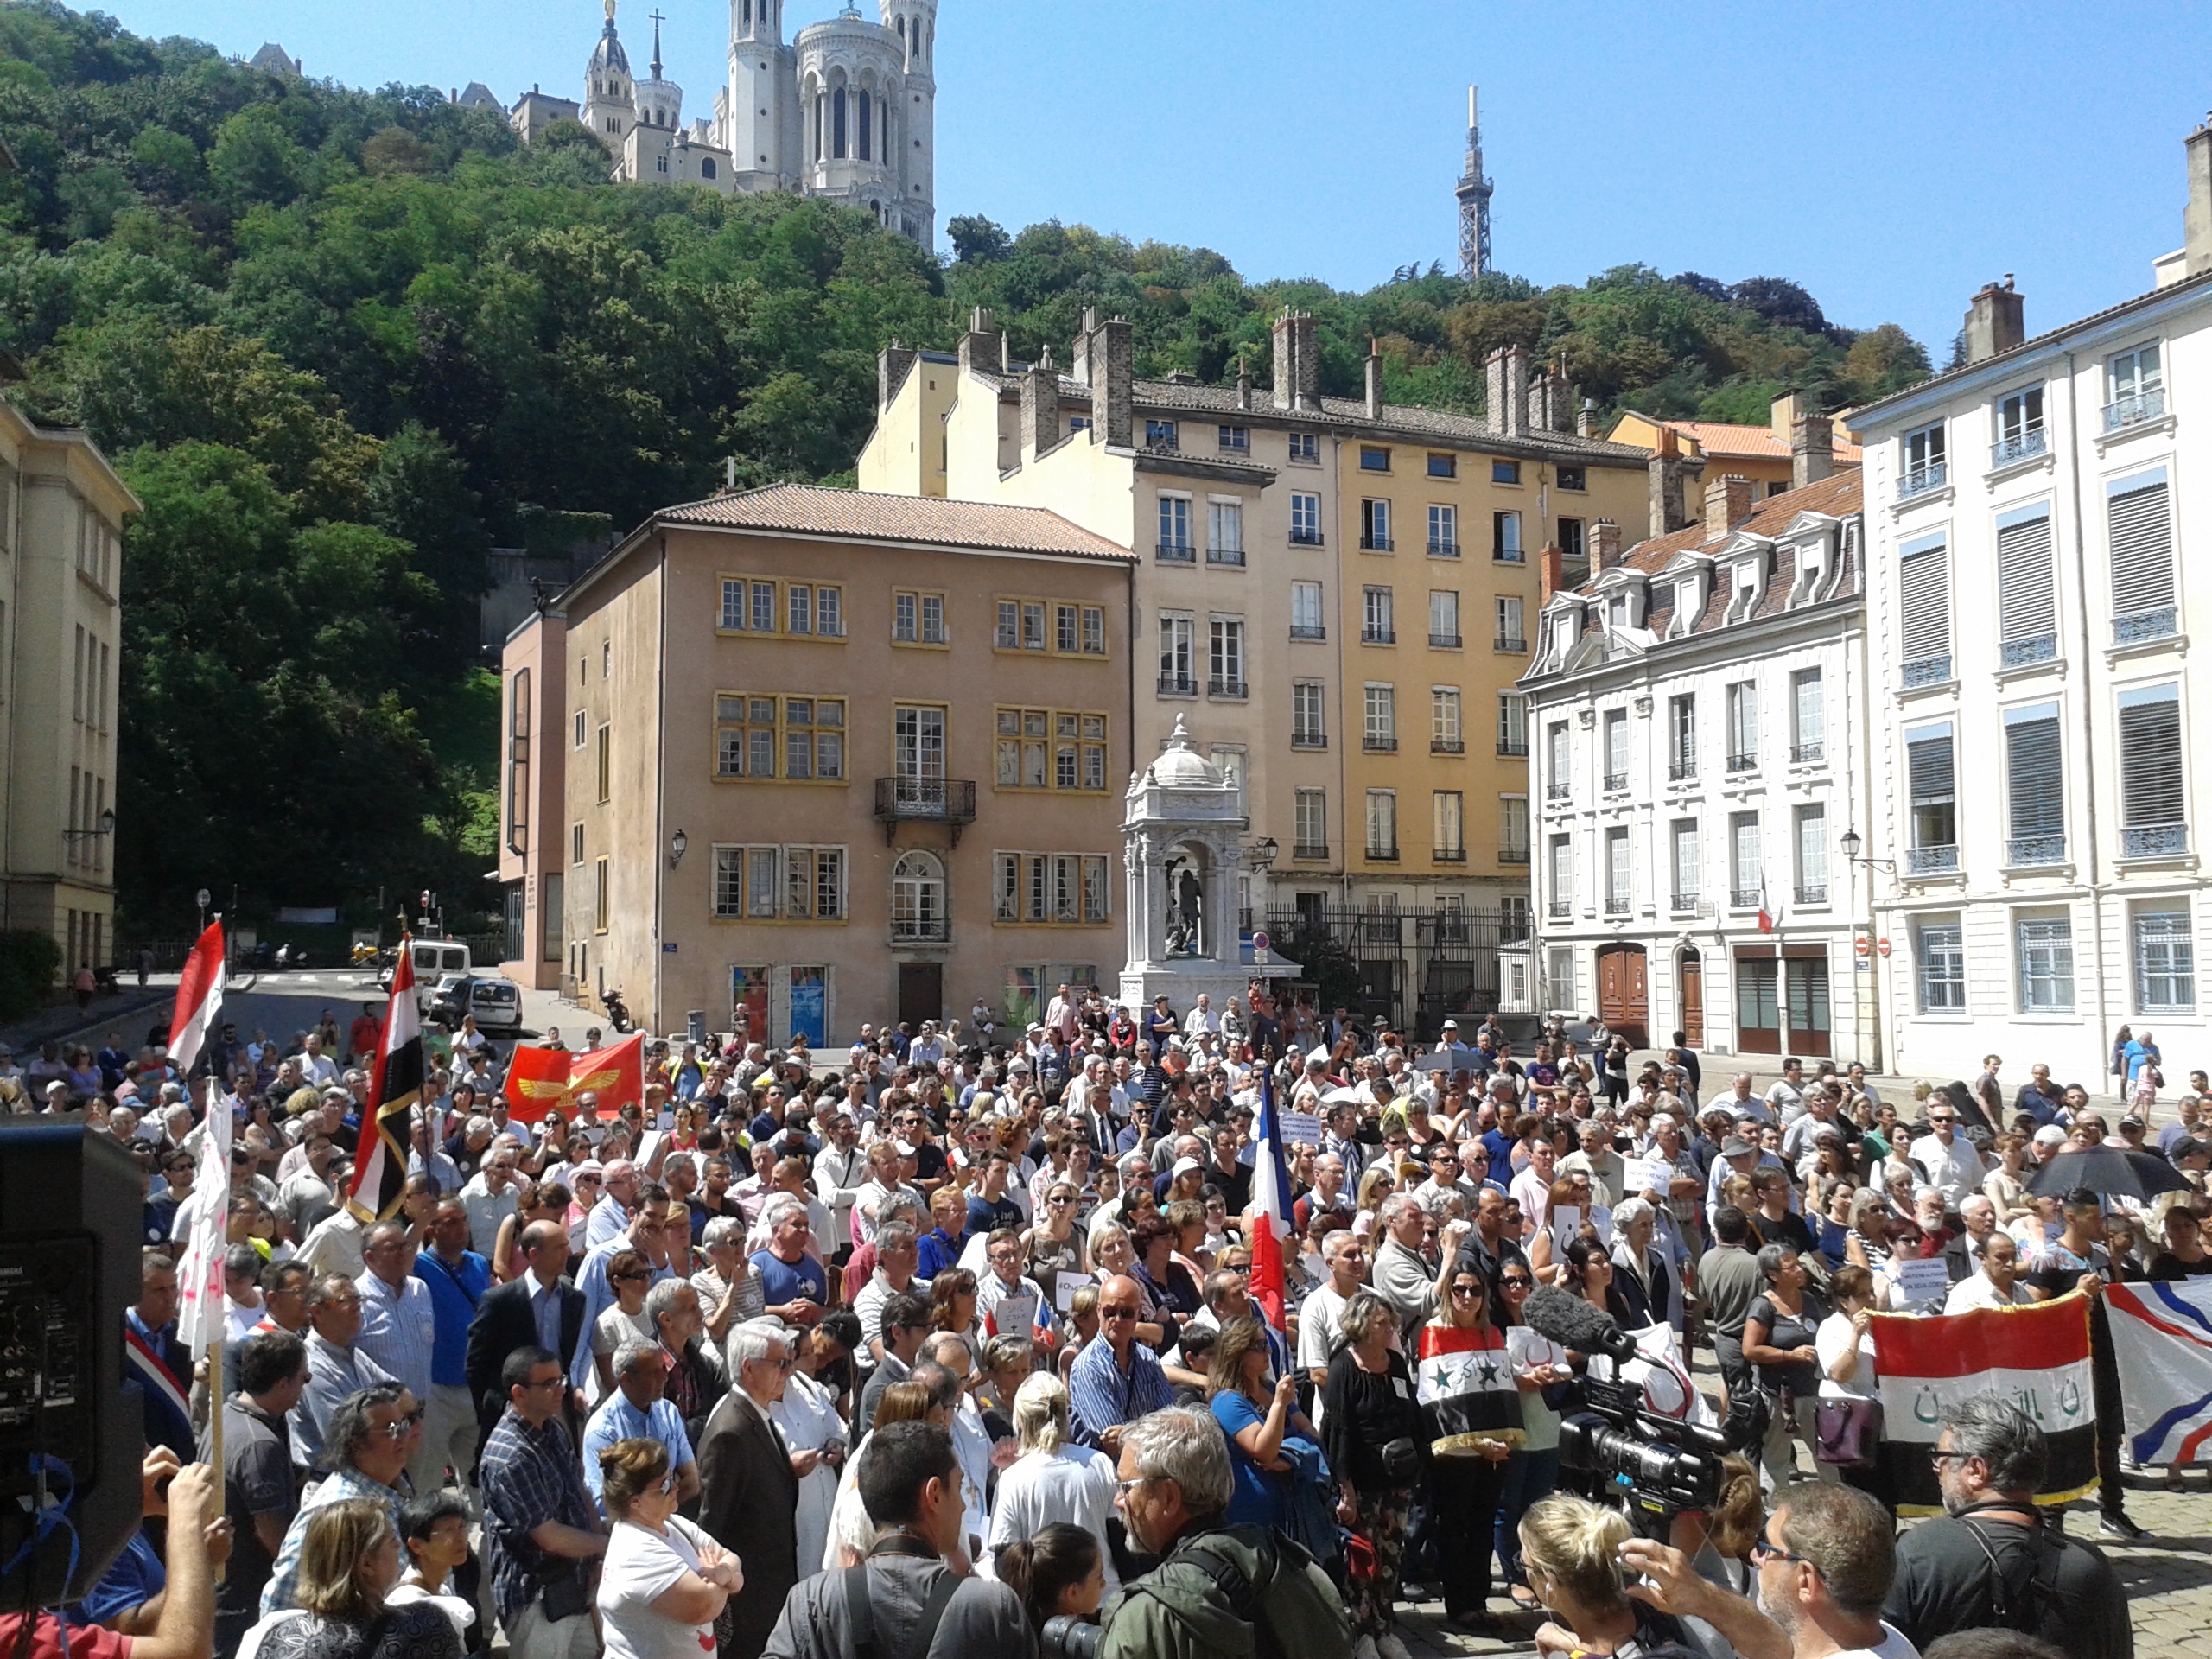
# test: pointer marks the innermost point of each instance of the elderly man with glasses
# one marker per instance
(750, 1477)
(1115, 1380)
(640, 1410)
(1946, 1157)
(541, 1530)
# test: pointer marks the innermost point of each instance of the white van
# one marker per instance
(433, 959)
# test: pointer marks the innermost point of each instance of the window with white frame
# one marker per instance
(1444, 532)
(1225, 656)
(1940, 954)
(1682, 737)
(1377, 623)
(1382, 824)
(2027, 600)
(786, 883)
(1922, 462)
(2165, 962)
(1306, 618)
(2019, 426)
(1744, 883)
(1444, 732)
(1512, 724)
(1811, 855)
(1682, 837)
(1225, 532)
(1305, 518)
(1381, 701)
(1618, 875)
(2135, 380)
(1558, 873)
(1375, 524)
(1229, 762)
(2035, 783)
(1176, 647)
(2139, 519)
(1556, 761)
(2046, 948)
(1447, 811)
(2154, 807)
(1807, 715)
(1505, 538)
(1443, 617)
(1310, 824)
(1559, 978)
(1740, 704)
(1509, 635)
(1925, 611)
(1513, 837)
(1309, 725)
(1175, 526)
(1615, 734)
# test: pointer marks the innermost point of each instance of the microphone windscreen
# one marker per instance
(1572, 1323)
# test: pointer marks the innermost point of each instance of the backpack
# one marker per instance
(1290, 1617)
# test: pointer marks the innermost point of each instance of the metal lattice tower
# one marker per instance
(1474, 192)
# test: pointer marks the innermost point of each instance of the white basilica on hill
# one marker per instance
(846, 110)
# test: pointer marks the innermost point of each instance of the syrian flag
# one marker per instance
(1270, 1208)
(395, 1090)
(1466, 1388)
(199, 1001)
(1768, 920)
(2035, 1356)
(2162, 1337)
(200, 1305)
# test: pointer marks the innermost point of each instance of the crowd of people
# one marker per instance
(957, 1335)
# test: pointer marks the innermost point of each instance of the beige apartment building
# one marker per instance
(829, 756)
(1247, 509)
(61, 514)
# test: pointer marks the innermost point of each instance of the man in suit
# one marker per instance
(541, 1309)
(749, 1479)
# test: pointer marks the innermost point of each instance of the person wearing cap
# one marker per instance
(1738, 1156)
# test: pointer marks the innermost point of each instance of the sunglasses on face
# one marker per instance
(397, 1427)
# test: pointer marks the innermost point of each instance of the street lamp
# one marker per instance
(201, 899)
(106, 828)
(676, 844)
(1851, 843)
(1261, 855)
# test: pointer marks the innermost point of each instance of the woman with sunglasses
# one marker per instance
(665, 1581)
(1467, 1391)
(629, 1276)
(1540, 1371)
(1055, 1246)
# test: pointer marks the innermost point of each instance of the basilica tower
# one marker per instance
(610, 95)
(760, 119)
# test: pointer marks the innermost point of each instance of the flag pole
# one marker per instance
(215, 1343)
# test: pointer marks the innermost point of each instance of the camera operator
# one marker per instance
(1570, 1549)
(1215, 1583)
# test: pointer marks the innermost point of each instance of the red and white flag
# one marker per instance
(199, 1002)
(395, 1090)
(1270, 1207)
(200, 1305)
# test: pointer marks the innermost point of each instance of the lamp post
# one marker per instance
(1868, 1006)
(201, 899)
(676, 844)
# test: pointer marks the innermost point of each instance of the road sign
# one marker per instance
(1884, 947)
(1862, 945)
(1260, 941)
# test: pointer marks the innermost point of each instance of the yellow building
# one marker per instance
(1762, 453)
(61, 513)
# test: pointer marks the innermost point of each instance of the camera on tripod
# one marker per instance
(1655, 1465)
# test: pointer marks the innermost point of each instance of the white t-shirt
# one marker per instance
(1891, 1646)
(640, 1564)
(1830, 1340)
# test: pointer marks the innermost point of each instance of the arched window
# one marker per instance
(817, 126)
(918, 897)
(748, 10)
(867, 129)
(706, 167)
(837, 124)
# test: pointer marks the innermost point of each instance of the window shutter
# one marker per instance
(2142, 549)
(2033, 760)
(2150, 747)
(2027, 608)
(1929, 765)
(1924, 594)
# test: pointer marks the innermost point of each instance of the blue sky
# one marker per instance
(1890, 157)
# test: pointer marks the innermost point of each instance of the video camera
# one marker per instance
(1654, 1465)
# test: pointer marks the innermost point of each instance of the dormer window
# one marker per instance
(1744, 585)
(1616, 610)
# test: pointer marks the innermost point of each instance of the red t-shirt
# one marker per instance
(85, 1641)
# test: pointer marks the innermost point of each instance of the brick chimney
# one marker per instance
(1243, 384)
(1605, 544)
(1079, 369)
(892, 365)
(2196, 215)
(1551, 573)
(1297, 361)
(1995, 321)
(1812, 449)
(1727, 503)
(1585, 419)
(1040, 406)
(983, 346)
(1374, 381)
(1507, 370)
(1112, 369)
(1669, 514)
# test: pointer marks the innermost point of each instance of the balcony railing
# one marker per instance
(1931, 861)
(921, 930)
(2035, 648)
(1382, 854)
(1377, 745)
(1512, 642)
(1921, 479)
(1685, 901)
(1309, 631)
(1234, 688)
(1615, 903)
(1681, 770)
(1372, 635)
(1446, 746)
(1443, 549)
(1309, 739)
(1305, 538)
(1813, 895)
(1805, 753)
(1559, 910)
(1377, 544)
(1178, 553)
(1743, 763)
(1744, 898)
(1310, 849)
(2021, 446)
(1555, 791)
(2134, 409)
(1513, 747)
(1451, 855)
(1511, 854)
(1616, 782)
(1928, 670)
(2025, 852)
(2154, 841)
(1224, 556)
(1508, 556)
(2140, 626)
(940, 800)
(1443, 641)
(1178, 685)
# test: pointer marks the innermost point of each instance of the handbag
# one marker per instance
(1845, 1432)
(564, 1596)
(1402, 1460)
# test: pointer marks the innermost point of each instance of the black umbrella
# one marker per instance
(2112, 1171)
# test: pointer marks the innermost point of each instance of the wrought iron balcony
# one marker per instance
(1928, 670)
(1377, 544)
(1508, 556)
(1686, 901)
(2035, 648)
(1512, 642)
(1309, 739)
(1512, 854)
(1305, 538)
(2021, 446)
(2140, 626)
(1921, 479)
(1813, 895)
(1743, 763)
(1443, 550)
(1178, 553)
(1931, 861)
(921, 930)
(2135, 409)
(2025, 852)
(1744, 898)
(930, 800)
(1231, 689)
(1451, 855)
(1224, 556)
(1559, 910)
(2154, 841)
(1615, 903)
(1372, 635)
(1448, 746)
(1513, 747)
(1616, 782)
(1382, 853)
(1374, 744)
(1806, 754)
(1308, 631)
(1178, 685)
(1555, 791)
(1310, 849)
(1681, 770)
(1443, 641)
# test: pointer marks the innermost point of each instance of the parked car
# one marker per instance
(446, 999)
(497, 1004)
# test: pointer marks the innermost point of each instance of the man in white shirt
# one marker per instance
(840, 1172)
(1995, 1283)
(1948, 1158)
(1787, 1096)
(1741, 1103)
(1320, 1336)
(490, 1197)
(1201, 1017)
(316, 1068)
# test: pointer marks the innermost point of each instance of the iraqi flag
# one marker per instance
(199, 1000)
(1270, 1209)
(2036, 1356)
(540, 1080)
(395, 1090)
(2162, 1337)
(1467, 1391)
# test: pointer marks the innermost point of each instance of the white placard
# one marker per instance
(649, 1145)
(1300, 1126)
(1015, 1315)
(1921, 1281)
(1642, 1175)
(1566, 1222)
(1064, 1287)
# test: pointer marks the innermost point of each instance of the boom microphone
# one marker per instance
(1572, 1323)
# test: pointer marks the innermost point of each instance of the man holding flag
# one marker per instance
(199, 1282)
(1270, 1207)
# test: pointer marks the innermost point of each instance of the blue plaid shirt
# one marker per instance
(1103, 1396)
(284, 1578)
(530, 1475)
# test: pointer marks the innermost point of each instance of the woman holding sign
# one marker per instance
(1472, 1400)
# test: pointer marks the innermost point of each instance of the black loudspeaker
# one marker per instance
(70, 1427)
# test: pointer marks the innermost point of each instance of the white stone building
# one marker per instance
(1696, 754)
(845, 111)
(2031, 616)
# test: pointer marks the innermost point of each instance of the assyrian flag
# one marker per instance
(1768, 920)
(1467, 1391)
(200, 1305)
(2162, 1337)
(395, 1090)
(199, 1001)
(1270, 1207)
(2035, 1356)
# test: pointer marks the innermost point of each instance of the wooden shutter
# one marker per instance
(1929, 765)
(1924, 596)
(2026, 606)
(2150, 748)
(2034, 763)
(2142, 545)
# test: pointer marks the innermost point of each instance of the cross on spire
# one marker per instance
(657, 20)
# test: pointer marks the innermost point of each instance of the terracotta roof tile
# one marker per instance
(1720, 439)
(808, 509)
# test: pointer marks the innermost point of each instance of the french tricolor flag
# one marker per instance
(1270, 1208)
(199, 1000)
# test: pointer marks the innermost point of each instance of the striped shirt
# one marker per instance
(399, 1330)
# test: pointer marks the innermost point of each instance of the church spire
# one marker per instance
(657, 21)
